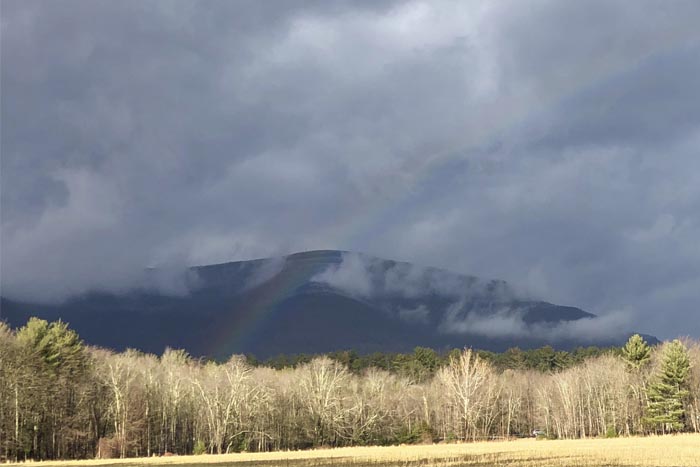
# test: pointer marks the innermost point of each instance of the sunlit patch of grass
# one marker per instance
(661, 451)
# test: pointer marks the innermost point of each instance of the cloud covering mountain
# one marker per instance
(465, 304)
(551, 144)
(323, 301)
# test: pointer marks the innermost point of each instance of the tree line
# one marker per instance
(423, 362)
(62, 399)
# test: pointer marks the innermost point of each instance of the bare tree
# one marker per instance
(222, 391)
(465, 381)
(321, 384)
(120, 374)
(694, 385)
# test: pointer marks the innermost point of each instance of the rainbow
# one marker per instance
(238, 327)
(427, 173)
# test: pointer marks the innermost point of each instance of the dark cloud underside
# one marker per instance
(551, 144)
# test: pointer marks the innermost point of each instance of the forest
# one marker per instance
(62, 399)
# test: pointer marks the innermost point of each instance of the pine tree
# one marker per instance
(636, 352)
(667, 394)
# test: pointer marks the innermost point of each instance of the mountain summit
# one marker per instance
(321, 301)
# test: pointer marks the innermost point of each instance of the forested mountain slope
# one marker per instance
(321, 301)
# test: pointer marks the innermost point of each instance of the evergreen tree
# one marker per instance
(513, 359)
(56, 358)
(636, 352)
(668, 393)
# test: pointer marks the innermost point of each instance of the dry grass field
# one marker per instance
(676, 451)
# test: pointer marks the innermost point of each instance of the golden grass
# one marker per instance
(676, 451)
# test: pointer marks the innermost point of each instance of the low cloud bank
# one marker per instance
(351, 275)
(366, 276)
(507, 322)
(172, 281)
(474, 306)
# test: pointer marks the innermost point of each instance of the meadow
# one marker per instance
(674, 450)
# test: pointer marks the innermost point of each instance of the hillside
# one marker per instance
(321, 301)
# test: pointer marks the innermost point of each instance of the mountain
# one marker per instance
(320, 301)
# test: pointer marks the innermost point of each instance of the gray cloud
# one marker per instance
(552, 144)
(509, 323)
(352, 275)
(466, 305)
(367, 276)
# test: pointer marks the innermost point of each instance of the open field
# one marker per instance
(680, 450)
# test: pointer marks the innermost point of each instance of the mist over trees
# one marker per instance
(62, 399)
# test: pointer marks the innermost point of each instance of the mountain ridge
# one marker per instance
(321, 301)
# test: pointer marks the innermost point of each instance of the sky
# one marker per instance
(552, 144)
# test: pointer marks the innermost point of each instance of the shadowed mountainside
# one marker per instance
(320, 301)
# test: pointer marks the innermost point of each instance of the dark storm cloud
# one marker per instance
(552, 144)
